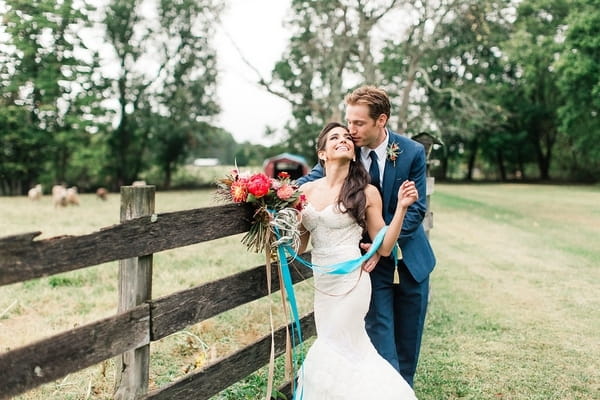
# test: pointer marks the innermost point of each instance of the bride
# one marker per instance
(342, 363)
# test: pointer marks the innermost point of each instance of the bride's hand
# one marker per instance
(371, 263)
(407, 194)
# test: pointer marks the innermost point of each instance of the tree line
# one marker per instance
(511, 88)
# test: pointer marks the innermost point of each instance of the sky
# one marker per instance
(256, 29)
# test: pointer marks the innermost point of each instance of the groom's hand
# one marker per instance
(371, 263)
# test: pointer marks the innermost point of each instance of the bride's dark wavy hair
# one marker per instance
(352, 194)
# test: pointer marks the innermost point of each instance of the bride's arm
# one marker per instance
(304, 233)
(406, 196)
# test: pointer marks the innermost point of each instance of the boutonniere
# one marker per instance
(393, 151)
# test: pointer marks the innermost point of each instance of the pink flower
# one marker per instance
(285, 192)
(259, 185)
(239, 191)
(275, 184)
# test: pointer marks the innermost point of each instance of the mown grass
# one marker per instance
(513, 311)
(515, 294)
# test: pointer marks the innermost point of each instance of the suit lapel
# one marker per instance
(389, 175)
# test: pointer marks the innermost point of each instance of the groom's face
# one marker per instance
(365, 130)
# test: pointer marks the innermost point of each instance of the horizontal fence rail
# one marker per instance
(174, 312)
(212, 379)
(52, 358)
(23, 258)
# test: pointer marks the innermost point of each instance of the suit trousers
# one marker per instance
(397, 315)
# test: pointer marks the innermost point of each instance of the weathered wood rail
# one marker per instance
(140, 320)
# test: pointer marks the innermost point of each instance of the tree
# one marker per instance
(579, 84)
(21, 150)
(533, 47)
(165, 82)
(445, 72)
(213, 142)
(330, 50)
(403, 55)
(189, 92)
(249, 154)
(46, 83)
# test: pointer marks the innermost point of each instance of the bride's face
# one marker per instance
(339, 145)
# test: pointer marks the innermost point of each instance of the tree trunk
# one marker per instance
(472, 157)
(411, 76)
(544, 167)
(543, 161)
(501, 167)
(443, 174)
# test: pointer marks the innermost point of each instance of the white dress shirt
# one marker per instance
(381, 155)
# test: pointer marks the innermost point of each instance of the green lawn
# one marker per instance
(515, 294)
(513, 312)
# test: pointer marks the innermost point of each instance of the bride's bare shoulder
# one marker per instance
(309, 186)
(372, 194)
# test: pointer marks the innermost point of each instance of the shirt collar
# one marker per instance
(379, 150)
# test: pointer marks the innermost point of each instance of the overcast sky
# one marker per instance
(256, 28)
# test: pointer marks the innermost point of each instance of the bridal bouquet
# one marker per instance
(277, 203)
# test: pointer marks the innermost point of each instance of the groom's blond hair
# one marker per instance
(375, 98)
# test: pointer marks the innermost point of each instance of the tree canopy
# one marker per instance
(511, 88)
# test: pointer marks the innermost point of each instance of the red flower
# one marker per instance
(299, 205)
(283, 175)
(285, 192)
(239, 191)
(259, 185)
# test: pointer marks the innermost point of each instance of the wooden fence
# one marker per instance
(140, 319)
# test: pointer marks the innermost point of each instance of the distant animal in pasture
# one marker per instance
(35, 193)
(102, 193)
(59, 196)
(73, 196)
(138, 183)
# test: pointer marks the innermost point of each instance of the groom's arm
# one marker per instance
(416, 212)
(314, 174)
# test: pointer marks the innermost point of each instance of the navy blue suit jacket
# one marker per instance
(417, 253)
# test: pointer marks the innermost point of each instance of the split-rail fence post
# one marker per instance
(135, 287)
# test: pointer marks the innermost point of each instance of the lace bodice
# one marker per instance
(334, 235)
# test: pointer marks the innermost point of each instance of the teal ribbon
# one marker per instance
(345, 267)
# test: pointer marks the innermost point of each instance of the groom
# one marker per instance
(397, 312)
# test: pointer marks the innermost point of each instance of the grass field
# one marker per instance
(513, 311)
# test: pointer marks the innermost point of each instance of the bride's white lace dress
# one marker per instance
(342, 363)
